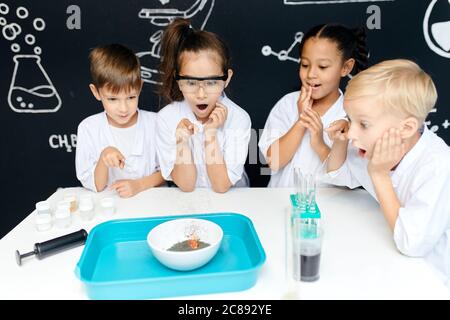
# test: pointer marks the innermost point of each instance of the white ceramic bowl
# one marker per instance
(165, 235)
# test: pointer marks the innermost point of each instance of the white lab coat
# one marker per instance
(233, 138)
(94, 135)
(281, 119)
(421, 182)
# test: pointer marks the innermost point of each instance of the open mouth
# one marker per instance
(315, 86)
(202, 106)
(361, 153)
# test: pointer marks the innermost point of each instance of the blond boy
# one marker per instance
(393, 155)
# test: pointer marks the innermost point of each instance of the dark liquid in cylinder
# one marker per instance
(309, 267)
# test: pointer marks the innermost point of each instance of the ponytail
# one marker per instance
(360, 53)
(172, 41)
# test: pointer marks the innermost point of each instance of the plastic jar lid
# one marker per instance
(70, 197)
(42, 206)
(85, 197)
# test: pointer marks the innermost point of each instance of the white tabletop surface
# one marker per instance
(359, 259)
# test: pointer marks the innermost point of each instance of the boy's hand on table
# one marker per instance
(112, 157)
(387, 153)
(126, 188)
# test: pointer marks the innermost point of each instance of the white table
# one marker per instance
(359, 258)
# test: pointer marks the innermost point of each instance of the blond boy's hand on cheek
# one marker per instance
(387, 153)
(338, 130)
(185, 130)
(112, 158)
(217, 117)
(126, 188)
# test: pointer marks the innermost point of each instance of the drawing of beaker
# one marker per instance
(31, 89)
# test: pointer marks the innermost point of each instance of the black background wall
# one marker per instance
(45, 76)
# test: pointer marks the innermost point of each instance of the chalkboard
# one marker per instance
(45, 74)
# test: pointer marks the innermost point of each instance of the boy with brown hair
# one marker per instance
(116, 148)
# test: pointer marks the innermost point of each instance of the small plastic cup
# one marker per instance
(62, 204)
(43, 207)
(107, 206)
(86, 207)
(86, 198)
(63, 218)
(72, 199)
(43, 221)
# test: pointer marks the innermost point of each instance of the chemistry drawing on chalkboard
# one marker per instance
(284, 55)
(436, 31)
(31, 94)
(31, 90)
(437, 36)
(168, 10)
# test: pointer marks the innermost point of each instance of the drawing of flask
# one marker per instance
(31, 89)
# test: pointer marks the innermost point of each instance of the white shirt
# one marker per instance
(233, 138)
(281, 119)
(422, 183)
(122, 138)
(94, 135)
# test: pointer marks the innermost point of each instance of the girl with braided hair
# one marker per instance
(294, 134)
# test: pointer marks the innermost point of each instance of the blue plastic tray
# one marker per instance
(117, 263)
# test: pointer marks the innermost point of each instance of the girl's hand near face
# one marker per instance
(311, 120)
(217, 117)
(185, 130)
(304, 101)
